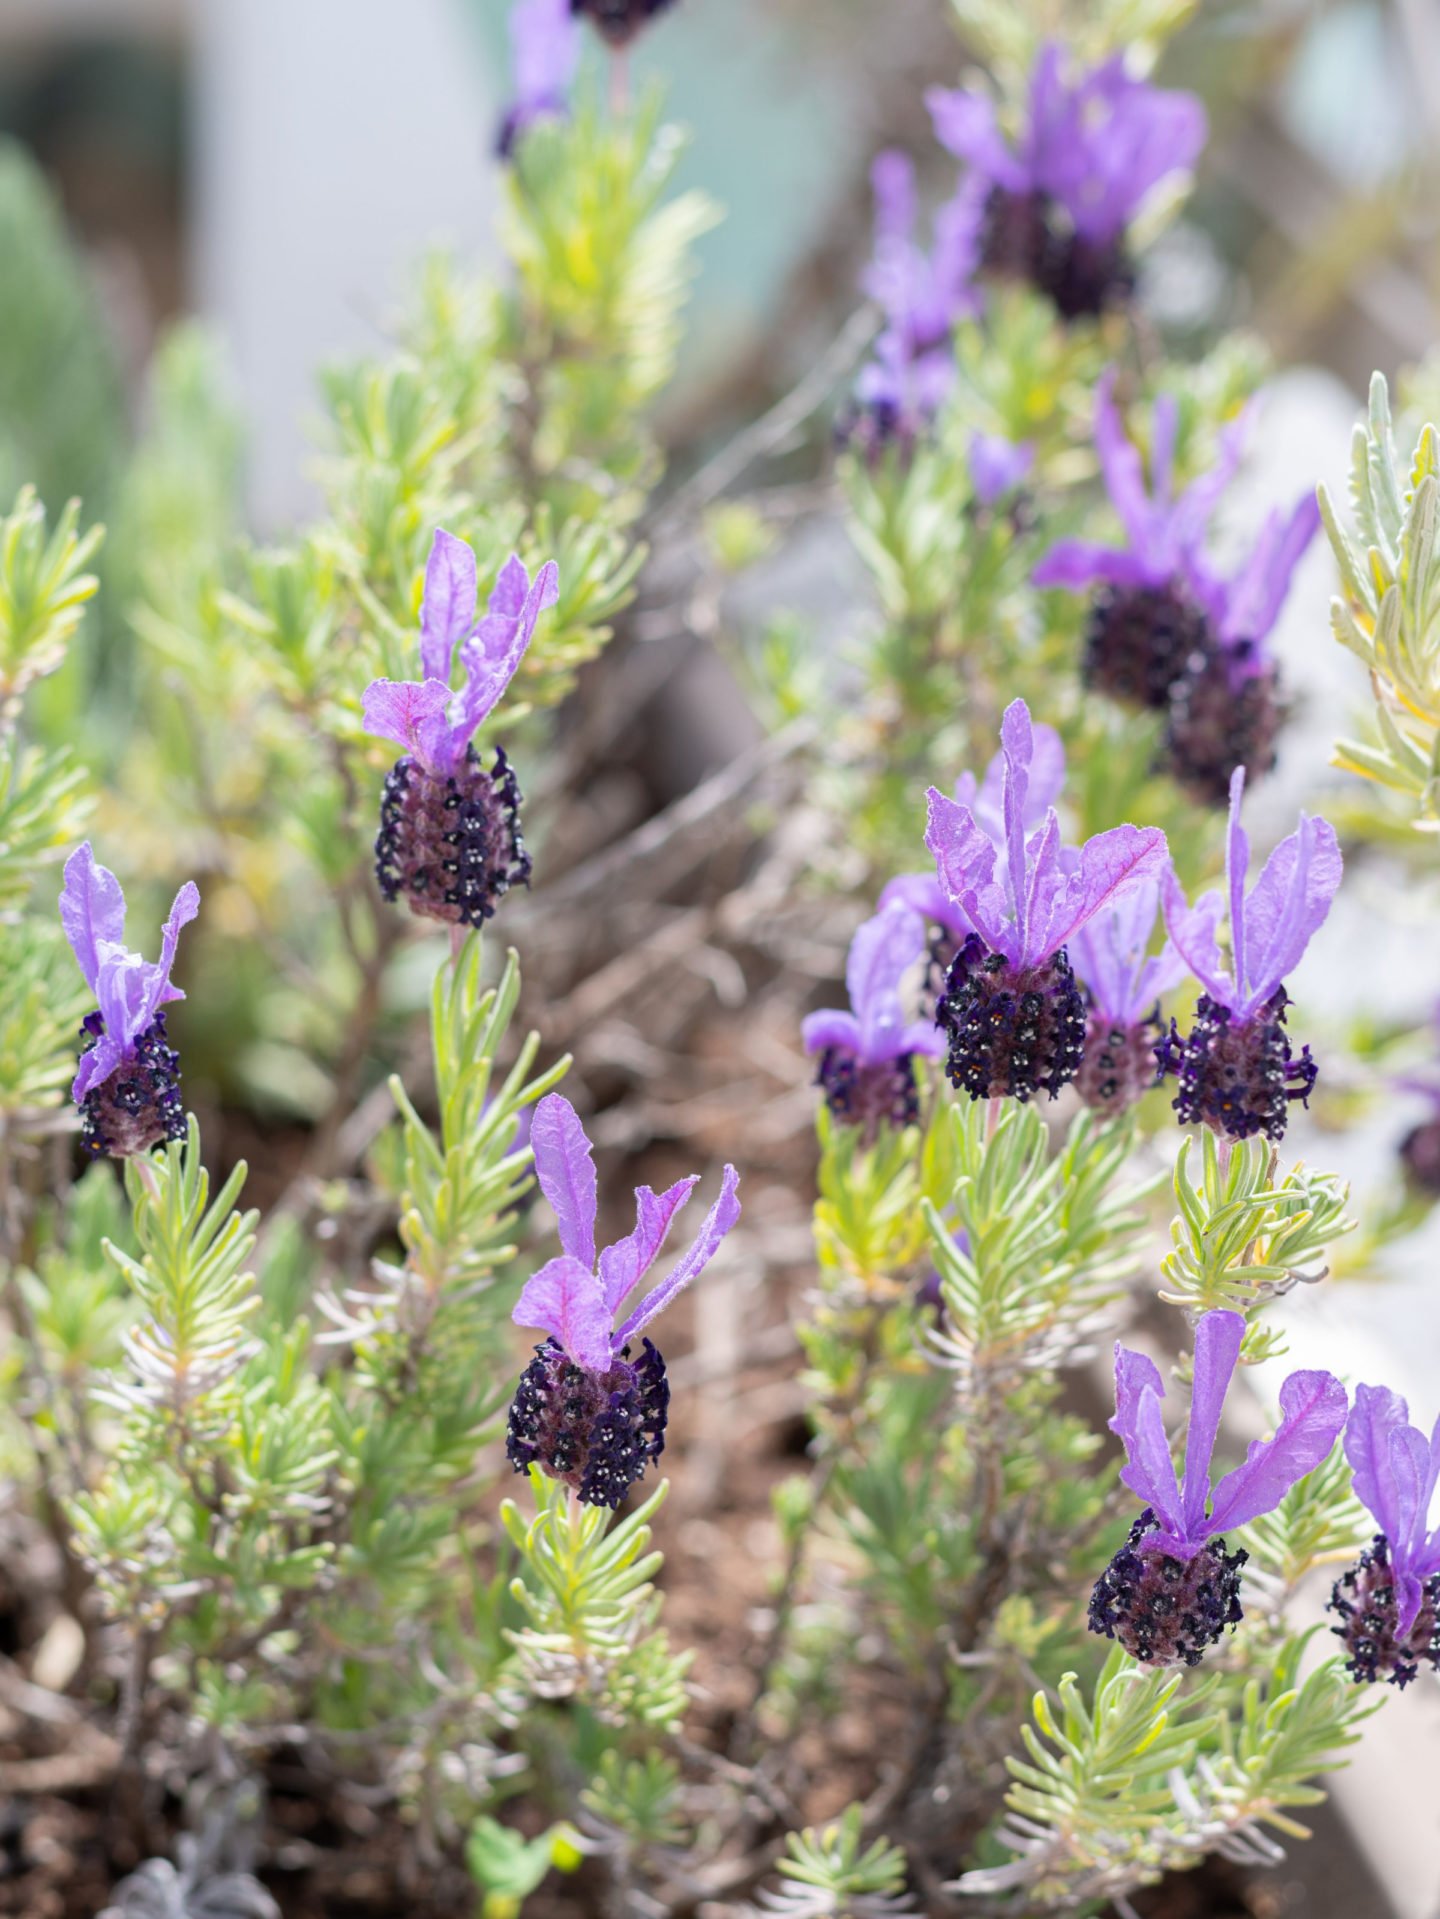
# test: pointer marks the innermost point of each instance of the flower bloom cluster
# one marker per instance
(1053, 207)
(450, 843)
(1173, 1588)
(1389, 1603)
(1166, 631)
(588, 1409)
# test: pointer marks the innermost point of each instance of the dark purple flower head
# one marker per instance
(1389, 1603)
(867, 1054)
(545, 41)
(1235, 1069)
(1022, 892)
(449, 840)
(999, 467)
(127, 1087)
(1123, 980)
(922, 296)
(1057, 203)
(1172, 1588)
(585, 1412)
(618, 21)
(1420, 1148)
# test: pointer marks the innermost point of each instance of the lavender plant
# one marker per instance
(272, 1445)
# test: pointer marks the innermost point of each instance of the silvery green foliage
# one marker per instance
(159, 1890)
(1388, 610)
(829, 1872)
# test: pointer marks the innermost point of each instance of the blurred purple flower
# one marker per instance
(1056, 205)
(1235, 1069)
(584, 1411)
(545, 41)
(867, 1055)
(1172, 1589)
(449, 838)
(1420, 1148)
(999, 467)
(1389, 1602)
(922, 297)
(128, 1083)
(619, 21)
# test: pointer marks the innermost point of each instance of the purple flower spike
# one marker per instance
(128, 1084)
(584, 1411)
(1011, 1008)
(1235, 1069)
(867, 1055)
(545, 39)
(1055, 208)
(1165, 631)
(1172, 1589)
(449, 839)
(1123, 981)
(922, 297)
(1389, 1602)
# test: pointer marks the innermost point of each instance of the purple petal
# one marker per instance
(1110, 865)
(718, 1221)
(625, 1263)
(1076, 564)
(566, 1173)
(966, 124)
(409, 712)
(493, 653)
(447, 610)
(1109, 955)
(1218, 1338)
(892, 182)
(545, 39)
(998, 466)
(1192, 929)
(1378, 1413)
(158, 989)
(1017, 748)
(1314, 1407)
(924, 894)
(1237, 868)
(1045, 782)
(1409, 1598)
(92, 910)
(1255, 596)
(97, 1065)
(1288, 905)
(830, 1028)
(965, 858)
(564, 1300)
(882, 952)
(1150, 1473)
(925, 1038)
(1124, 474)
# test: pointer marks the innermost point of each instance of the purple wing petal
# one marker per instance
(1255, 596)
(566, 1173)
(1110, 865)
(965, 858)
(97, 1065)
(1218, 1338)
(923, 894)
(1109, 956)
(1288, 905)
(1314, 1407)
(1076, 564)
(500, 640)
(625, 1263)
(998, 466)
(923, 1037)
(830, 1028)
(1192, 929)
(882, 952)
(92, 910)
(407, 712)
(564, 1300)
(158, 991)
(1378, 1413)
(718, 1221)
(966, 124)
(1017, 747)
(545, 39)
(447, 610)
(1150, 1473)
(1124, 474)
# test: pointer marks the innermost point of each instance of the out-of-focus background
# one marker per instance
(280, 168)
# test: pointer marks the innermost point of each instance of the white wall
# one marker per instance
(335, 141)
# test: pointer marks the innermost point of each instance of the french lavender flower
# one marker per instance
(922, 296)
(1053, 210)
(545, 44)
(1165, 631)
(1011, 1009)
(619, 21)
(585, 1412)
(867, 1056)
(1420, 1148)
(999, 467)
(449, 840)
(128, 1085)
(1389, 1602)
(1234, 1068)
(1123, 983)
(1173, 1587)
